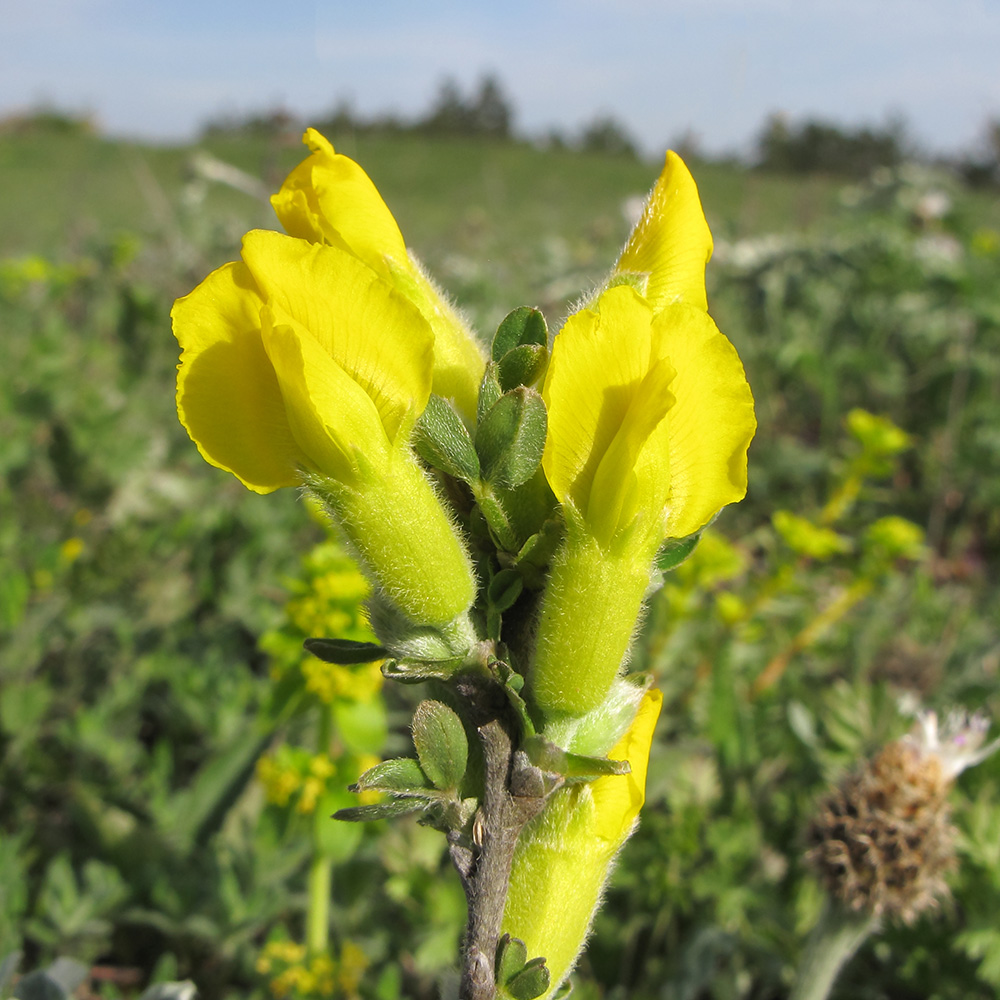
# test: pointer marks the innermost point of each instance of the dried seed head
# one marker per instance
(883, 841)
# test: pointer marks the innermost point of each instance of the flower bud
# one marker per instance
(564, 856)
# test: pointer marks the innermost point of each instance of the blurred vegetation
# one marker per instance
(151, 608)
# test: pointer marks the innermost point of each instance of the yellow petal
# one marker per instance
(328, 198)
(333, 419)
(599, 360)
(618, 798)
(227, 394)
(711, 423)
(459, 361)
(618, 494)
(367, 327)
(672, 242)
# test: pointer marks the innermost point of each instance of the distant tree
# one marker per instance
(818, 146)
(605, 134)
(49, 120)
(486, 113)
(981, 168)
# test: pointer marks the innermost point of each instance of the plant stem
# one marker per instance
(485, 869)
(318, 914)
(836, 937)
(321, 869)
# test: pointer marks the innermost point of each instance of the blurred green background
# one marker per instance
(144, 596)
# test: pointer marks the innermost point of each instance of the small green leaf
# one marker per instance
(345, 651)
(381, 810)
(416, 671)
(442, 441)
(563, 992)
(675, 551)
(400, 775)
(572, 766)
(522, 326)
(489, 391)
(511, 438)
(522, 366)
(504, 589)
(532, 981)
(511, 956)
(442, 746)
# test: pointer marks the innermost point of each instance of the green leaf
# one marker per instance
(522, 366)
(511, 438)
(563, 992)
(416, 671)
(381, 810)
(521, 326)
(504, 589)
(489, 391)
(442, 441)
(532, 981)
(573, 766)
(511, 956)
(675, 551)
(402, 774)
(442, 746)
(345, 652)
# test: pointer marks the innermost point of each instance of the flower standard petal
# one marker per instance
(368, 328)
(228, 398)
(328, 198)
(671, 242)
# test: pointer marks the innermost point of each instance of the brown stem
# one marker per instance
(485, 870)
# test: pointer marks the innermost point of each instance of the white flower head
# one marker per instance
(957, 741)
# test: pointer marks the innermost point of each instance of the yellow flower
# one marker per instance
(329, 199)
(563, 857)
(649, 420)
(671, 244)
(302, 364)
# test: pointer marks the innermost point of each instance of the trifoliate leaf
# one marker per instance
(511, 957)
(442, 441)
(442, 746)
(394, 776)
(532, 981)
(521, 327)
(511, 438)
(381, 810)
(523, 365)
(489, 391)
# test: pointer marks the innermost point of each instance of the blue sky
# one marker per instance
(715, 67)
